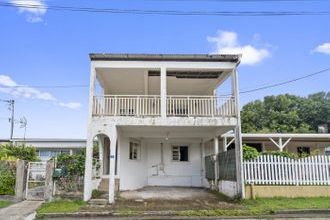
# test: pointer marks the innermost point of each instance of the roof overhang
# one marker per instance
(165, 57)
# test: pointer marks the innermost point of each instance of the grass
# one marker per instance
(257, 207)
(61, 206)
(4, 203)
(264, 206)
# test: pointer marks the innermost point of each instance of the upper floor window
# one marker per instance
(134, 150)
(180, 153)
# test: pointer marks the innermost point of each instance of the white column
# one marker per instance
(238, 137)
(224, 144)
(101, 144)
(113, 143)
(88, 169)
(163, 91)
(216, 163)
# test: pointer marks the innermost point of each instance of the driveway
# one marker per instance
(19, 211)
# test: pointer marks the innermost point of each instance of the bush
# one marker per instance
(7, 177)
(282, 154)
(249, 152)
(11, 152)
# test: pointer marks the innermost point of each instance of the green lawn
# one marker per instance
(260, 206)
(4, 203)
(61, 206)
(265, 206)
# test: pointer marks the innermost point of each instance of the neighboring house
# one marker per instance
(295, 143)
(49, 147)
(154, 114)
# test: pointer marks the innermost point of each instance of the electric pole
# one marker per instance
(11, 103)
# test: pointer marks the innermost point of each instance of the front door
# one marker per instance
(106, 155)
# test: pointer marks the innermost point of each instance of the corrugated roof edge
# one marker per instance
(166, 57)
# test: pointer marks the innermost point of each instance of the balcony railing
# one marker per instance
(150, 106)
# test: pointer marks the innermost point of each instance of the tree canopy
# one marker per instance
(287, 113)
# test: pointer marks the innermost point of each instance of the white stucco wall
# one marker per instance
(229, 188)
(135, 174)
(175, 173)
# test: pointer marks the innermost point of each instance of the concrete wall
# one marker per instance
(135, 174)
(132, 173)
(175, 173)
(268, 191)
(228, 188)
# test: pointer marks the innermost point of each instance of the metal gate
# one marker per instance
(36, 181)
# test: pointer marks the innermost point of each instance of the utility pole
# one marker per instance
(12, 106)
(11, 103)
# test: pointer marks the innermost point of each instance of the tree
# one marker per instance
(287, 113)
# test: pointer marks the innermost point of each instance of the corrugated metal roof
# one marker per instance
(166, 57)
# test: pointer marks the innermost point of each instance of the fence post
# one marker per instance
(49, 180)
(21, 173)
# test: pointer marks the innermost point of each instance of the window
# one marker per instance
(303, 151)
(180, 153)
(134, 150)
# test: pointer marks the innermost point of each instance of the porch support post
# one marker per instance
(112, 157)
(163, 91)
(101, 150)
(89, 142)
(88, 168)
(216, 162)
(224, 144)
(238, 137)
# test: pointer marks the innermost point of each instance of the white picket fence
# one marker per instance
(277, 170)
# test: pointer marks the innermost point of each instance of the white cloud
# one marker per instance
(226, 42)
(9, 86)
(323, 48)
(34, 9)
(71, 105)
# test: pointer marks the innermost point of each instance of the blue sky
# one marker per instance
(45, 47)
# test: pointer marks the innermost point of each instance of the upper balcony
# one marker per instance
(162, 85)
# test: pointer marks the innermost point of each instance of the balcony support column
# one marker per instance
(163, 92)
(238, 137)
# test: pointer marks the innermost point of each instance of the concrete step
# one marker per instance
(104, 185)
(98, 202)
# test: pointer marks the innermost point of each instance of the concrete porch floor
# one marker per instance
(166, 193)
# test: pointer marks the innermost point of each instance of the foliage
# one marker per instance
(282, 154)
(73, 164)
(249, 153)
(4, 203)
(7, 177)
(73, 167)
(11, 152)
(61, 206)
(96, 194)
(287, 113)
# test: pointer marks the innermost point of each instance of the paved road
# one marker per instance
(19, 210)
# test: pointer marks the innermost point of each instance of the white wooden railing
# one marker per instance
(202, 106)
(126, 105)
(149, 105)
(277, 170)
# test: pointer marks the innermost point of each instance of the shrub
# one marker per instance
(249, 152)
(282, 154)
(96, 194)
(7, 177)
(11, 152)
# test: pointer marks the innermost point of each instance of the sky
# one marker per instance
(43, 47)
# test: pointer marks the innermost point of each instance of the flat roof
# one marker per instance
(48, 140)
(296, 136)
(165, 57)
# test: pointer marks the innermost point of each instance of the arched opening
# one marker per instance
(101, 153)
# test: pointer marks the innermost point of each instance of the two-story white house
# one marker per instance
(156, 116)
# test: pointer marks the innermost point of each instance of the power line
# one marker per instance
(285, 82)
(47, 86)
(166, 12)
